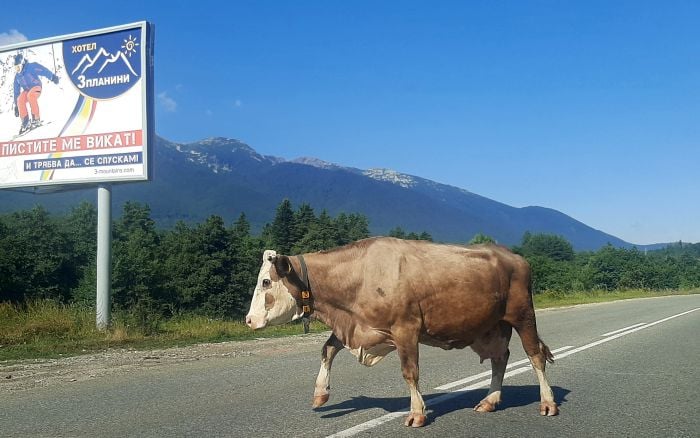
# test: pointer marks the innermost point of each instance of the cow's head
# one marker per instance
(273, 300)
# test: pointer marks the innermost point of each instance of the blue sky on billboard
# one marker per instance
(587, 107)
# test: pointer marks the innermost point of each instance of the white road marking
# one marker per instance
(621, 334)
(622, 329)
(486, 382)
(488, 373)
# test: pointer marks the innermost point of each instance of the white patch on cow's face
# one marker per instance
(272, 303)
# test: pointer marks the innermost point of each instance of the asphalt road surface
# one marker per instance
(624, 369)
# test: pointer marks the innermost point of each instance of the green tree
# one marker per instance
(321, 235)
(687, 269)
(37, 258)
(81, 229)
(606, 267)
(552, 275)
(246, 253)
(212, 276)
(85, 291)
(425, 236)
(282, 228)
(481, 238)
(397, 232)
(137, 282)
(304, 219)
(198, 264)
(180, 248)
(351, 228)
(10, 280)
(547, 245)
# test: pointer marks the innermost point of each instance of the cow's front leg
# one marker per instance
(323, 381)
(409, 367)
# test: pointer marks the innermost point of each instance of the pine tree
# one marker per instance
(481, 238)
(245, 253)
(81, 228)
(321, 235)
(351, 228)
(282, 228)
(38, 257)
(397, 232)
(137, 281)
(304, 219)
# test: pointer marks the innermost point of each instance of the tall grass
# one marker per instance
(40, 319)
(45, 329)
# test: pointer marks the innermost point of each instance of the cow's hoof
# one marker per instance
(415, 420)
(548, 408)
(485, 406)
(320, 400)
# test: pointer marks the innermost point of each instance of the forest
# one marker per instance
(210, 268)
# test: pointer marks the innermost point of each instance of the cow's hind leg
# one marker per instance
(328, 352)
(539, 355)
(494, 345)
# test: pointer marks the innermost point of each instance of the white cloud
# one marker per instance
(238, 103)
(209, 112)
(11, 37)
(168, 103)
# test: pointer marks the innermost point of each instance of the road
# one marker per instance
(641, 381)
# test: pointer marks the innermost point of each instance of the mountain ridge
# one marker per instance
(225, 176)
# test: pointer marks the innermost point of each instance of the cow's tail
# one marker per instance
(545, 352)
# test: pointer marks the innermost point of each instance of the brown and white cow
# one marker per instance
(384, 294)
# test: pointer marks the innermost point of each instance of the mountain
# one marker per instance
(220, 176)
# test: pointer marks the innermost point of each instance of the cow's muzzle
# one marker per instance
(255, 323)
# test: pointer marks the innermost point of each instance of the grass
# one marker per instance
(559, 299)
(45, 329)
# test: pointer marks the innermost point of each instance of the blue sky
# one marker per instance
(591, 107)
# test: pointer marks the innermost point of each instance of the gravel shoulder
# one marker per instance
(40, 373)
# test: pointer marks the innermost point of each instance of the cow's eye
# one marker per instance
(267, 282)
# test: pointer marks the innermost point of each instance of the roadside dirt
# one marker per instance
(39, 373)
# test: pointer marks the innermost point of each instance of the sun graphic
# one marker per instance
(130, 46)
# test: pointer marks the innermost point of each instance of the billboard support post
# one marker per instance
(104, 255)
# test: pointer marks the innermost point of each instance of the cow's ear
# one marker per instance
(283, 265)
(269, 255)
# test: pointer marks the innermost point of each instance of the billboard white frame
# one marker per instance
(95, 103)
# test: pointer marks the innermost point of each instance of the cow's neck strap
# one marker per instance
(306, 300)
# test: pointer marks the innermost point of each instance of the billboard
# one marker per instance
(77, 109)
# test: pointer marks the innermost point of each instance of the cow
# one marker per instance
(383, 294)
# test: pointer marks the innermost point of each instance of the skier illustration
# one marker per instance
(28, 89)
